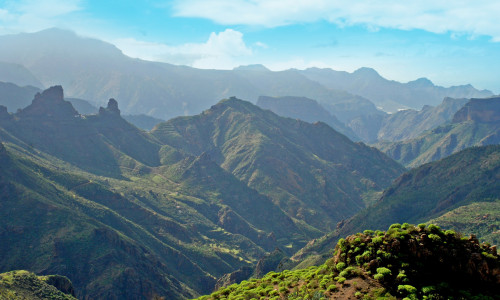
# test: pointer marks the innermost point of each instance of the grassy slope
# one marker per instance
(481, 219)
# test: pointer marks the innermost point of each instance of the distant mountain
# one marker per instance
(404, 124)
(429, 192)
(475, 124)
(83, 107)
(18, 74)
(408, 124)
(304, 109)
(312, 172)
(94, 70)
(15, 97)
(143, 121)
(391, 95)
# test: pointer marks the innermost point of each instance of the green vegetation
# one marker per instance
(403, 262)
(123, 212)
(26, 285)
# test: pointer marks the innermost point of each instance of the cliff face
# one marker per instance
(50, 103)
(479, 110)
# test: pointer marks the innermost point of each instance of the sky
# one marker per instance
(450, 42)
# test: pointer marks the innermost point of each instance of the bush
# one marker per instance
(394, 226)
(384, 271)
(331, 288)
(340, 266)
(407, 289)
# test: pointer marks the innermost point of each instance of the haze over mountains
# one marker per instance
(94, 70)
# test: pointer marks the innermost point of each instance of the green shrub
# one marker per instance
(407, 289)
(384, 271)
(340, 266)
(434, 228)
(435, 237)
(395, 226)
(341, 279)
(331, 288)
(378, 277)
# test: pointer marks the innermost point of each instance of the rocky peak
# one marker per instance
(4, 114)
(484, 110)
(111, 109)
(49, 103)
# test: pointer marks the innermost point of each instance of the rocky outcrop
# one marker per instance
(49, 104)
(424, 255)
(61, 283)
(235, 277)
(4, 114)
(479, 110)
(111, 109)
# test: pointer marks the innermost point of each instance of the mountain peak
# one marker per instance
(4, 114)
(255, 67)
(111, 109)
(367, 72)
(50, 103)
(421, 82)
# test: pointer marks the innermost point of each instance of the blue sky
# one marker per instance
(449, 42)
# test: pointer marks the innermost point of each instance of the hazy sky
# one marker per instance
(450, 42)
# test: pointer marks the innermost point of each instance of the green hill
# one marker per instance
(406, 261)
(26, 285)
(476, 124)
(313, 173)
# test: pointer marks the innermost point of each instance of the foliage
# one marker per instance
(394, 266)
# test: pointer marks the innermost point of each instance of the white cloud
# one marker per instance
(222, 50)
(438, 16)
(35, 15)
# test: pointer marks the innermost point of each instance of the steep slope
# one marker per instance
(170, 233)
(476, 124)
(388, 94)
(26, 285)
(405, 262)
(425, 193)
(315, 174)
(58, 222)
(304, 109)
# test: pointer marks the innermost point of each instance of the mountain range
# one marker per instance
(133, 207)
(94, 70)
(128, 214)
